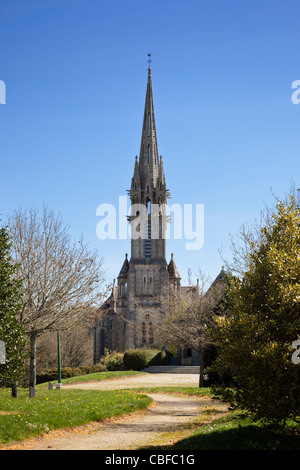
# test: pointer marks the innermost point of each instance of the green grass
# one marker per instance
(94, 377)
(238, 432)
(25, 417)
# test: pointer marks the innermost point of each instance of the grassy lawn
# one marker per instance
(24, 417)
(94, 377)
(238, 432)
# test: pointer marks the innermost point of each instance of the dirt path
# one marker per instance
(168, 418)
(141, 380)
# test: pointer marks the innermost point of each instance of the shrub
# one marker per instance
(114, 362)
(137, 359)
(162, 358)
(134, 359)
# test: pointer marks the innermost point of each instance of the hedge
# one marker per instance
(137, 359)
(49, 375)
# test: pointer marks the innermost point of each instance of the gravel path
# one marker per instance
(168, 414)
(141, 380)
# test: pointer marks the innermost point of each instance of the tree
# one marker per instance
(62, 279)
(11, 332)
(189, 319)
(76, 348)
(255, 338)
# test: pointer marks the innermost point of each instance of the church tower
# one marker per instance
(145, 279)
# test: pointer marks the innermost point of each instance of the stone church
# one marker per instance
(126, 319)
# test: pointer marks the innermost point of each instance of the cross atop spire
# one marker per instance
(149, 60)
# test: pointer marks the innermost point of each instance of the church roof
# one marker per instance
(125, 267)
(220, 279)
(173, 271)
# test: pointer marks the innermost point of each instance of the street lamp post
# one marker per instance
(58, 385)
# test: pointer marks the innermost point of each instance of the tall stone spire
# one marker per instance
(148, 187)
(148, 183)
(148, 159)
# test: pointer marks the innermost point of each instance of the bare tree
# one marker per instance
(62, 279)
(188, 318)
(76, 348)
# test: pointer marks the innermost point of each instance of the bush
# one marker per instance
(162, 358)
(134, 359)
(114, 362)
(137, 359)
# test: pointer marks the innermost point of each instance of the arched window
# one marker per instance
(150, 333)
(144, 333)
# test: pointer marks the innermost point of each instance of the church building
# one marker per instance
(127, 319)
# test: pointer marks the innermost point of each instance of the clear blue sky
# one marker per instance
(75, 74)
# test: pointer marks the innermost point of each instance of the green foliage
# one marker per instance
(11, 331)
(162, 358)
(113, 361)
(254, 339)
(137, 359)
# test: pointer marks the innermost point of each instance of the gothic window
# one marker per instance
(144, 333)
(149, 122)
(150, 333)
(148, 153)
(125, 289)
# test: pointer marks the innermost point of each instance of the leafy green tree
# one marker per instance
(11, 331)
(255, 338)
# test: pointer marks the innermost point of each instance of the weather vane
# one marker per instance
(149, 60)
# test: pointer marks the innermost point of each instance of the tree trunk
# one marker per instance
(14, 389)
(32, 369)
(201, 361)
